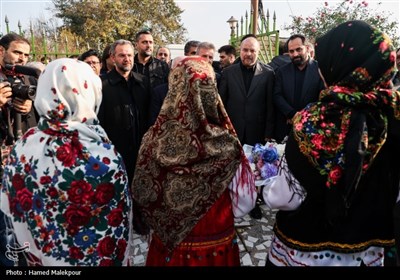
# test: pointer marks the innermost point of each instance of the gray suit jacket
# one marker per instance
(251, 113)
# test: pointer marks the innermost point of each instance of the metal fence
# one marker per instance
(267, 35)
(46, 47)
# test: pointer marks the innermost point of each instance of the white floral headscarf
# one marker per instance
(72, 97)
(64, 185)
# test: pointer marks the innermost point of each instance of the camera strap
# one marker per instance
(10, 139)
(9, 73)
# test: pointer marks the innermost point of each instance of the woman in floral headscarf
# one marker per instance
(192, 177)
(344, 153)
(64, 185)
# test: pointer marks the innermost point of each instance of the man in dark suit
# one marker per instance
(297, 84)
(246, 90)
(124, 110)
(282, 59)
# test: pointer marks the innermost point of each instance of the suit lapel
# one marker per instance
(256, 78)
(239, 78)
(307, 81)
(291, 82)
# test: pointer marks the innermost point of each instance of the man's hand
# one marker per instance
(22, 106)
(5, 93)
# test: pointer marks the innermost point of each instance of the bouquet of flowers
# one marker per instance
(264, 160)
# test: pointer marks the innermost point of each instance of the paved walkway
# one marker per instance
(255, 240)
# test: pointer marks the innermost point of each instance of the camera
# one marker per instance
(18, 88)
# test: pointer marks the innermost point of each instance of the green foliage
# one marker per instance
(100, 22)
(329, 16)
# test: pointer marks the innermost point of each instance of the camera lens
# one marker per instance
(22, 91)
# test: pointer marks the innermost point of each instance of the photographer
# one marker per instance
(16, 114)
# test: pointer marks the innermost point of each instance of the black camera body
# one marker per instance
(22, 91)
(18, 88)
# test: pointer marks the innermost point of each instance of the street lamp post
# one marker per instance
(232, 24)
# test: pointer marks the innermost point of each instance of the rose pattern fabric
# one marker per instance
(64, 179)
(358, 85)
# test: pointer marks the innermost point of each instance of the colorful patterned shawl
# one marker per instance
(190, 155)
(343, 132)
(64, 184)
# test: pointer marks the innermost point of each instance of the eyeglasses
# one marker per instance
(92, 62)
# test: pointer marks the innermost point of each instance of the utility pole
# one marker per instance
(254, 4)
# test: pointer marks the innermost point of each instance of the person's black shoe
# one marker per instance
(256, 213)
(260, 198)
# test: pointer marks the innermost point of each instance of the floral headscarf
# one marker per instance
(64, 184)
(190, 155)
(343, 132)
